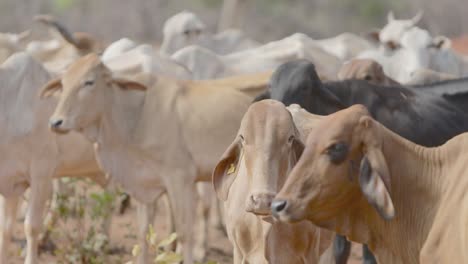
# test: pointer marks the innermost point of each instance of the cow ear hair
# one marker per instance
(374, 178)
(226, 170)
(53, 87)
(128, 84)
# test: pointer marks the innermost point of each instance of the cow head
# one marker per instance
(181, 30)
(342, 166)
(257, 162)
(391, 34)
(84, 94)
(362, 69)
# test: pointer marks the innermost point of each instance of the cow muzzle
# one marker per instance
(56, 125)
(260, 203)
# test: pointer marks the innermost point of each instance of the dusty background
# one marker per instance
(264, 20)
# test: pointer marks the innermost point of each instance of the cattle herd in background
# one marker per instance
(306, 143)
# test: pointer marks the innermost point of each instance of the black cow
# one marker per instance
(428, 117)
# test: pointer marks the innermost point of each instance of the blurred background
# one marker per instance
(263, 20)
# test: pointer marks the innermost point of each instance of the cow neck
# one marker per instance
(417, 184)
(117, 124)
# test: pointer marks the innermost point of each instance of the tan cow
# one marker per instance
(153, 140)
(365, 69)
(448, 238)
(24, 142)
(248, 176)
(361, 180)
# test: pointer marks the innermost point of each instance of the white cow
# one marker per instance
(205, 64)
(11, 43)
(418, 51)
(117, 48)
(30, 156)
(144, 59)
(392, 33)
(185, 28)
(345, 46)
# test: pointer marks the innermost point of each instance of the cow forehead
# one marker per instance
(267, 118)
(338, 125)
(80, 69)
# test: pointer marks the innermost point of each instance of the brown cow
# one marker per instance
(365, 69)
(389, 201)
(248, 176)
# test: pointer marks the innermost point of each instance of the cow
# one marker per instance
(418, 50)
(365, 69)
(205, 64)
(428, 76)
(447, 238)
(118, 48)
(186, 28)
(13, 42)
(64, 48)
(144, 59)
(364, 181)
(247, 177)
(345, 46)
(24, 129)
(155, 140)
(426, 118)
(390, 35)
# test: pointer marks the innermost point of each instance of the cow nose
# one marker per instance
(278, 205)
(56, 123)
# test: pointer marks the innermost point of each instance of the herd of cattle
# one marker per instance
(319, 137)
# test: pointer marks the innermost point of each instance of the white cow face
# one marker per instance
(392, 32)
(180, 31)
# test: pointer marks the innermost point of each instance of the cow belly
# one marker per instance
(13, 177)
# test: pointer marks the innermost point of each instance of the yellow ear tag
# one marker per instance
(232, 169)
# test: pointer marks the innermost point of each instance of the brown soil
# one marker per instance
(123, 238)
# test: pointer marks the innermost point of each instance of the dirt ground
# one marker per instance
(123, 237)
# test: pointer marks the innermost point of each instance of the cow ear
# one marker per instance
(441, 42)
(128, 84)
(374, 179)
(298, 148)
(226, 169)
(53, 87)
(417, 17)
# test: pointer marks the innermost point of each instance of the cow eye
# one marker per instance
(367, 77)
(338, 152)
(187, 32)
(88, 83)
(290, 139)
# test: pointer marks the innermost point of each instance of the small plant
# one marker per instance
(163, 256)
(83, 211)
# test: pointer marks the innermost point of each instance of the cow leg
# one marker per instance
(367, 256)
(182, 197)
(52, 216)
(201, 237)
(7, 218)
(40, 192)
(145, 217)
(341, 249)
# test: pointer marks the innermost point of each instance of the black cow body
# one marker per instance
(428, 116)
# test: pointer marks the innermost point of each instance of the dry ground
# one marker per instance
(123, 237)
